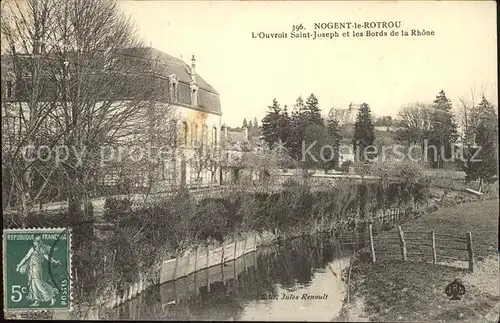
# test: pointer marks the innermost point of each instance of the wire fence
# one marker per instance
(422, 245)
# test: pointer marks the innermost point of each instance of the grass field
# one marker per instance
(392, 290)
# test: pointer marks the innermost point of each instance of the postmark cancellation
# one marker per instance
(37, 269)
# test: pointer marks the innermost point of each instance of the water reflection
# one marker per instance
(298, 280)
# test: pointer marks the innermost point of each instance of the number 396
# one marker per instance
(17, 293)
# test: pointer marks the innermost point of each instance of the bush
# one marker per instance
(115, 207)
(345, 166)
(414, 181)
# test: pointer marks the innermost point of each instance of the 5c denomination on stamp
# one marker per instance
(37, 269)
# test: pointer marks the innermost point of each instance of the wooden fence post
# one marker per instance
(234, 258)
(371, 242)
(222, 264)
(235, 241)
(402, 243)
(174, 276)
(469, 250)
(188, 263)
(434, 255)
(244, 254)
(208, 268)
(196, 259)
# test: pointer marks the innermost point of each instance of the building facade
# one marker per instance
(194, 106)
(182, 111)
(345, 116)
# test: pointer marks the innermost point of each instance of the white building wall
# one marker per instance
(201, 126)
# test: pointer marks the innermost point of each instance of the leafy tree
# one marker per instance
(296, 134)
(482, 160)
(303, 115)
(271, 124)
(483, 113)
(317, 150)
(333, 128)
(443, 132)
(285, 125)
(416, 122)
(253, 131)
(311, 112)
(385, 121)
(364, 135)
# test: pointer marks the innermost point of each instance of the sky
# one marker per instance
(385, 72)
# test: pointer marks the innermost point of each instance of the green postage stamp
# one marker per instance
(37, 269)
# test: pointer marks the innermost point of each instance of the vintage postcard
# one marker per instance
(250, 160)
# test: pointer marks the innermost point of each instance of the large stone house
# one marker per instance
(238, 149)
(345, 116)
(182, 102)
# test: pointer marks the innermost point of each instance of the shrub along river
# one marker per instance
(298, 279)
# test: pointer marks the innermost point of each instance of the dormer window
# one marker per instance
(194, 93)
(173, 82)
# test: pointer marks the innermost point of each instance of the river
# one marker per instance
(297, 280)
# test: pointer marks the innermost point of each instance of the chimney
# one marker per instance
(193, 68)
(193, 86)
(224, 129)
(245, 132)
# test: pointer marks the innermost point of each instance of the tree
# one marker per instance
(385, 121)
(416, 120)
(253, 129)
(335, 135)
(483, 113)
(213, 161)
(311, 112)
(443, 132)
(245, 123)
(464, 113)
(482, 159)
(303, 115)
(24, 32)
(285, 125)
(297, 126)
(200, 161)
(86, 65)
(317, 149)
(271, 124)
(255, 123)
(364, 135)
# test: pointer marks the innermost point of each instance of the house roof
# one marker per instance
(133, 62)
(166, 64)
(236, 136)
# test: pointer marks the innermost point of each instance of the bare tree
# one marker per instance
(213, 162)
(416, 120)
(97, 82)
(200, 160)
(26, 102)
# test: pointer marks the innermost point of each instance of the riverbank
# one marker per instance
(392, 290)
